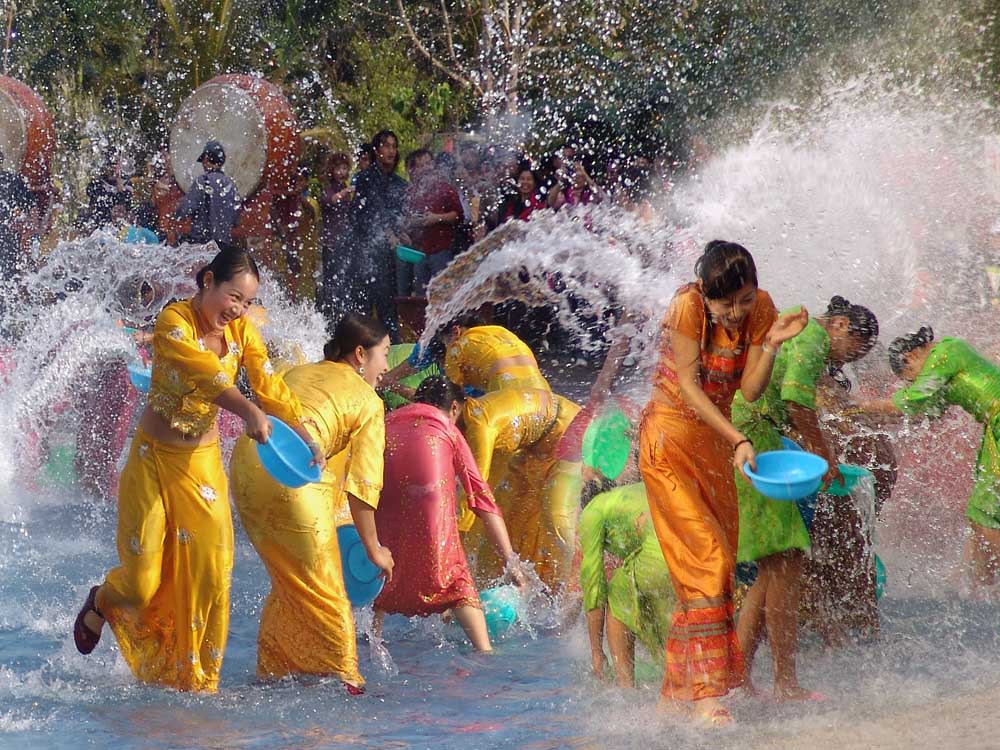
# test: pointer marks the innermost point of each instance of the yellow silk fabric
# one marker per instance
(168, 601)
(306, 625)
(472, 359)
(187, 377)
(514, 435)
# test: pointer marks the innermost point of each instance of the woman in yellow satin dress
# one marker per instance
(720, 335)
(306, 626)
(514, 435)
(168, 601)
(514, 431)
(489, 358)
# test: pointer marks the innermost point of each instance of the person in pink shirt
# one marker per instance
(425, 459)
(434, 212)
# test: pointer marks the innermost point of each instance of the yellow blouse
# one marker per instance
(472, 361)
(344, 413)
(187, 377)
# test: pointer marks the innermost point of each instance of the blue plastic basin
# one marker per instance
(500, 609)
(286, 457)
(140, 376)
(362, 579)
(408, 254)
(787, 475)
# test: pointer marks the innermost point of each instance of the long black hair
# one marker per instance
(352, 331)
(724, 268)
(228, 263)
(903, 345)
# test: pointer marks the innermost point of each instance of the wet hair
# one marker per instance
(861, 322)
(439, 391)
(465, 320)
(380, 138)
(903, 345)
(352, 331)
(228, 263)
(724, 268)
(414, 156)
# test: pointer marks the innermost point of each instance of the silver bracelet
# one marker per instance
(769, 349)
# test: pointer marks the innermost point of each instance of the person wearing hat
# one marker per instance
(212, 202)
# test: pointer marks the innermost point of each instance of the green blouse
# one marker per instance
(797, 369)
(954, 374)
(616, 522)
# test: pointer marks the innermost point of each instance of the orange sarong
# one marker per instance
(687, 469)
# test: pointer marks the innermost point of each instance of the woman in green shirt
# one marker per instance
(952, 373)
(772, 533)
(638, 601)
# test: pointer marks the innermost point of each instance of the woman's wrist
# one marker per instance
(770, 347)
(741, 441)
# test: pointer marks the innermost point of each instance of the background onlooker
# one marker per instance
(434, 211)
(377, 216)
(212, 201)
(335, 204)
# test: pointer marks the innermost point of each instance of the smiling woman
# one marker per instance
(168, 601)
(720, 336)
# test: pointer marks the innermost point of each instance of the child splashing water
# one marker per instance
(952, 373)
(426, 456)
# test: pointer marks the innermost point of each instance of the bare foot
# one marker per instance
(709, 712)
(750, 689)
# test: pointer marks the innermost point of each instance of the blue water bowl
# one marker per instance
(409, 255)
(790, 445)
(786, 474)
(140, 375)
(286, 457)
(807, 504)
(362, 578)
(500, 609)
(852, 475)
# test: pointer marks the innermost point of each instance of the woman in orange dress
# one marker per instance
(720, 335)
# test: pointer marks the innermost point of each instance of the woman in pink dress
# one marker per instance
(425, 454)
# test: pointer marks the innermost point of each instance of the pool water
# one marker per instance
(534, 692)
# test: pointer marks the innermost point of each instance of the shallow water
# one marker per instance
(534, 692)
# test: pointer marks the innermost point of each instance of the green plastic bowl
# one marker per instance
(607, 444)
(408, 254)
(852, 474)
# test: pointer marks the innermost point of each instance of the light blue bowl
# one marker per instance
(286, 457)
(140, 376)
(787, 475)
(500, 609)
(807, 504)
(362, 579)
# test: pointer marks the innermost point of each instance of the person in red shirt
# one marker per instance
(434, 210)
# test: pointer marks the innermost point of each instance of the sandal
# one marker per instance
(353, 689)
(85, 638)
